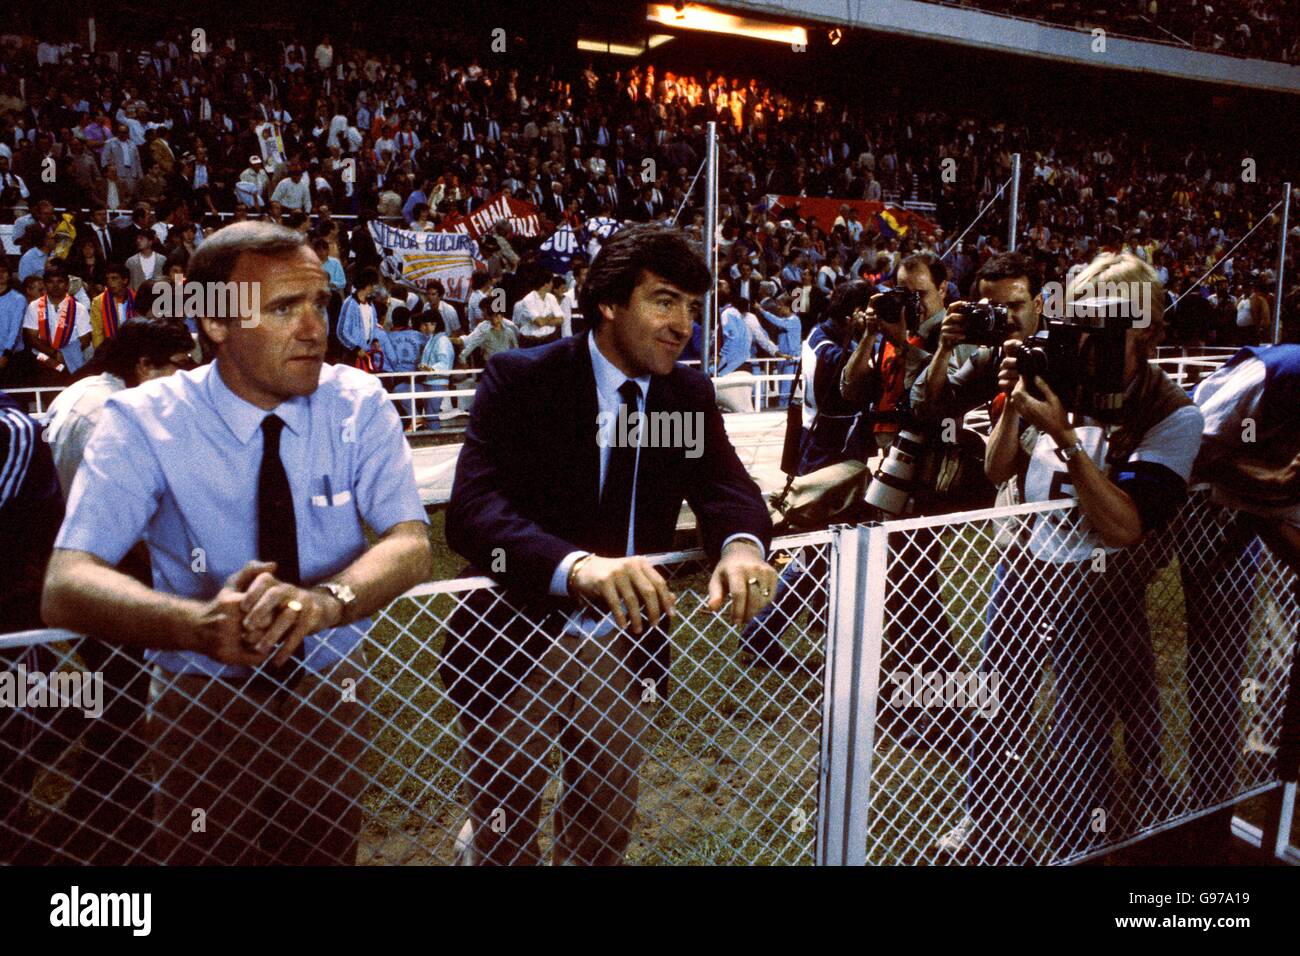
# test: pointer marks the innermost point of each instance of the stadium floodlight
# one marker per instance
(624, 49)
(697, 16)
(602, 46)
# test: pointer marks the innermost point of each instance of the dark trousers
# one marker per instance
(1097, 636)
(105, 818)
(29, 739)
(919, 637)
(1219, 577)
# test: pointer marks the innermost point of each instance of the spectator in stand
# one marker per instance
(56, 328)
(38, 241)
(1261, 315)
(435, 301)
(147, 264)
(359, 325)
(114, 306)
(494, 334)
(13, 306)
(538, 315)
(124, 158)
(438, 355)
(406, 345)
(481, 286)
(333, 268)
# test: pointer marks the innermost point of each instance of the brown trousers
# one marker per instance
(277, 776)
(581, 696)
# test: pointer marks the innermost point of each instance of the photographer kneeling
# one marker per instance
(1074, 579)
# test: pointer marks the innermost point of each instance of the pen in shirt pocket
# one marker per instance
(329, 498)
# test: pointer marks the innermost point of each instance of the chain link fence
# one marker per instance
(968, 689)
(369, 760)
(1032, 698)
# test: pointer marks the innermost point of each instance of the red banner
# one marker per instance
(522, 217)
(823, 211)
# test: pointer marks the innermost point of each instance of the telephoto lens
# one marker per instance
(892, 484)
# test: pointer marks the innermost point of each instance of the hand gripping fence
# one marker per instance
(935, 690)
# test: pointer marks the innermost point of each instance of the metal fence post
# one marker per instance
(859, 557)
(1281, 264)
(710, 237)
(1279, 809)
(1013, 211)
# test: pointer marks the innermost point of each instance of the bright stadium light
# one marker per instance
(625, 49)
(694, 16)
(618, 49)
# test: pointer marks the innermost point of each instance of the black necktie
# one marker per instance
(616, 495)
(277, 531)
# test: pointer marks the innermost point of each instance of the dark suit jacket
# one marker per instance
(527, 482)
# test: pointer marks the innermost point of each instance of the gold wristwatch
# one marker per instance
(344, 595)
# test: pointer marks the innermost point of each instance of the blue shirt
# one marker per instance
(408, 208)
(736, 342)
(334, 269)
(175, 461)
(13, 306)
(32, 263)
(791, 335)
(352, 332)
(438, 353)
(405, 346)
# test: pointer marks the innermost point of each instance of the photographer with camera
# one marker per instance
(833, 432)
(1076, 579)
(1008, 288)
(899, 342)
(901, 336)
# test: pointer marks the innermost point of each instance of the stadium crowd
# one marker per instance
(1246, 28)
(153, 152)
(151, 149)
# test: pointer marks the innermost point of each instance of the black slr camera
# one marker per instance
(985, 324)
(1082, 363)
(898, 303)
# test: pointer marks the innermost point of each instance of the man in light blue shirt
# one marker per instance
(333, 268)
(789, 340)
(737, 343)
(32, 262)
(265, 454)
(12, 306)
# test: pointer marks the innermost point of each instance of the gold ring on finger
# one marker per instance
(294, 605)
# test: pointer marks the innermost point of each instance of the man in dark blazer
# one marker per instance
(559, 504)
